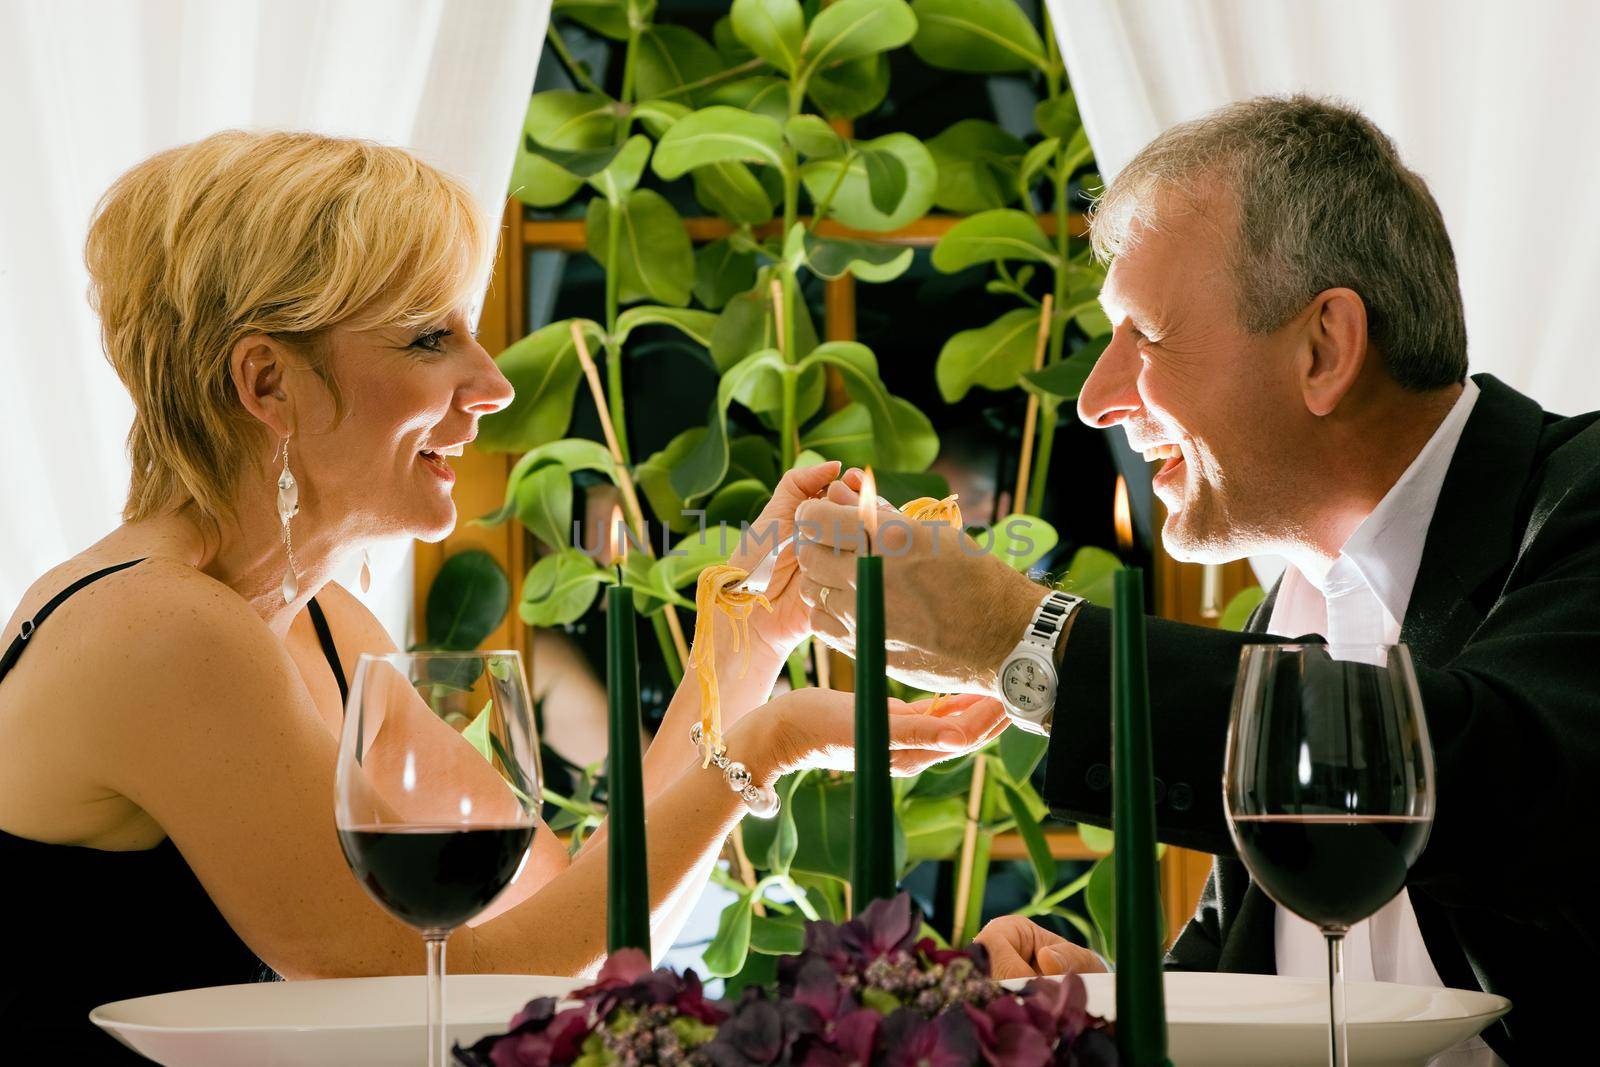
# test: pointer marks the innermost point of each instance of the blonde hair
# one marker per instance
(284, 234)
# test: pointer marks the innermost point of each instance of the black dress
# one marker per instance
(87, 926)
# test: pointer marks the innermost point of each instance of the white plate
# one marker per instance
(1214, 1020)
(338, 1022)
(1257, 1020)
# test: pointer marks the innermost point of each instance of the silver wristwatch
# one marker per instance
(1028, 676)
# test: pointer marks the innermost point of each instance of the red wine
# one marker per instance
(435, 877)
(1332, 870)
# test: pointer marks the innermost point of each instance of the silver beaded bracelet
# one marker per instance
(759, 801)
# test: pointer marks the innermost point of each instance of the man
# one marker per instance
(1289, 343)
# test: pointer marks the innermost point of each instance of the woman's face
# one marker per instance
(412, 399)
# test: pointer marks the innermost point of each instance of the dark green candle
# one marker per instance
(1141, 1007)
(872, 873)
(628, 873)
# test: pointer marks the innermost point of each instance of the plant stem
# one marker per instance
(1049, 410)
(669, 652)
(709, 80)
(820, 210)
(574, 68)
(788, 429)
(614, 384)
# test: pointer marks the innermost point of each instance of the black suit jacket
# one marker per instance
(1504, 629)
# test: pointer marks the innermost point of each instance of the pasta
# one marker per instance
(928, 509)
(717, 591)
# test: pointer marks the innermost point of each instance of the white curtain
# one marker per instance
(90, 88)
(1495, 106)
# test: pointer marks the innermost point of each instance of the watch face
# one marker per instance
(1027, 685)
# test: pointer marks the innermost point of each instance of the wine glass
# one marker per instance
(1328, 786)
(436, 792)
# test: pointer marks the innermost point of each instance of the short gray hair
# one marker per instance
(1323, 202)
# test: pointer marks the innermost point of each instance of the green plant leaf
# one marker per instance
(1021, 540)
(740, 500)
(886, 179)
(1037, 158)
(977, 163)
(933, 826)
(846, 436)
(655, 258)
(1064, 380)
(904, 436)
(1237, 613)
(579, 162)
(654, 477)
(693, 324)
(991, 236)
(657, 116)
(477, 732)
(822, 818)
(760, 95)
(668, 58)
(619, 178)
(977, 36)
(778, 935)
(993, 356)
(468, 598)
(813, 138)
(1043, 864)
(950, 779)
(560, 588)
(1100, 897)
(1097, 838)
(834, 257)
(897, 487)
(732, 50)
(701, 470)
(752, 456)
(726, 953)
(1020, 753)
(570, 454)
(774, 841)
(558, 120)
(1089, 575)
(772, 29)
(853, 203)
(716, 134)
(543, 368)
(1057, 116)
(609, 18)
(851, 29)
(730, 189)
(851, 89)
(721, 271)
(745, 326)
(544, 505)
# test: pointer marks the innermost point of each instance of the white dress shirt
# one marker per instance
(1362, 600)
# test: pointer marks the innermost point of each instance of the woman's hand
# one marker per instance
(1019, 948)
(788, 623)
(815, 728)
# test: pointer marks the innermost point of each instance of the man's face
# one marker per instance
(1218, 406)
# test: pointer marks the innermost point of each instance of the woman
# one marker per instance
(169, 709)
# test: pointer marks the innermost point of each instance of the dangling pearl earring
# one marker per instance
(366, 571)
(288, 508)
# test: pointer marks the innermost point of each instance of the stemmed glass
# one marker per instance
(1328, 786)
(437, 792)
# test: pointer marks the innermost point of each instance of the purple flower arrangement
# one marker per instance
(866, 993)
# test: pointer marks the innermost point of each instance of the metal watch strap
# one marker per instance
(1050, 618)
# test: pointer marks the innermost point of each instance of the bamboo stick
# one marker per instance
(969, 846)
(630, 497)
(1031, 420)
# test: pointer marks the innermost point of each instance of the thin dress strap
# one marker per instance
(325, 636)
(20, 642)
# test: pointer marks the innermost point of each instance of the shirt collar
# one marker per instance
(1386, 549)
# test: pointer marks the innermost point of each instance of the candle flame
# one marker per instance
(619, 538)
(867, 507)
(1120, 517)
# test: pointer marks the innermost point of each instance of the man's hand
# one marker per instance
(1019, 948)
(952, 611)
